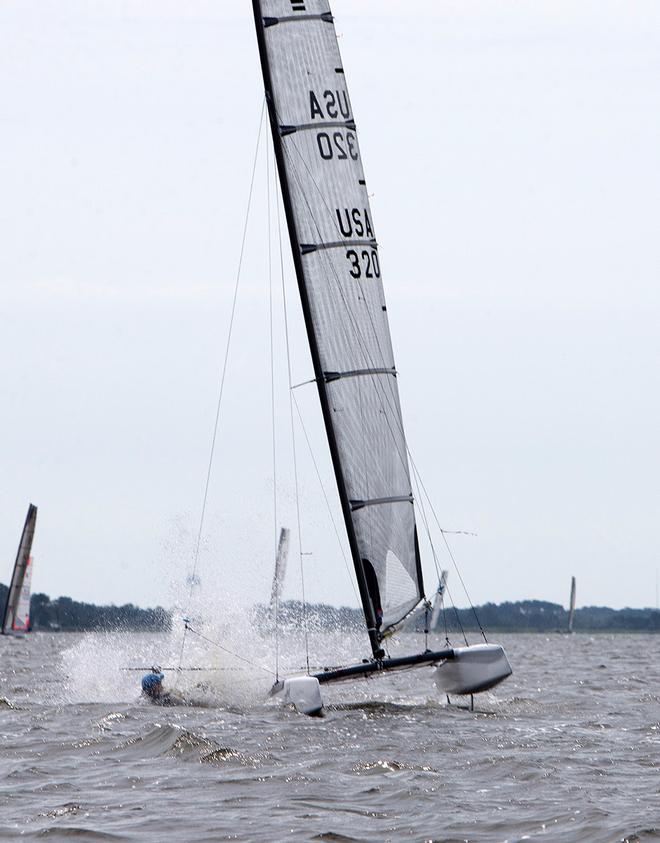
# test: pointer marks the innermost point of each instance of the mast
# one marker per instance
(20, 568)
(571, 610)
(338, 272)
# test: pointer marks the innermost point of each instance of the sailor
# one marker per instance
(152, 689)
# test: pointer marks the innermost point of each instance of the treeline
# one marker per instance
(70, 615)
(541, 616)
(521, 616)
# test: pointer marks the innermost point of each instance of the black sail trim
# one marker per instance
(357, 373)
(308, 248)
(325, 124)
(378, 501)
(326, 410)
(326, 17)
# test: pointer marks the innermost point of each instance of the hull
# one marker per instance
(458, 670)
(473, 670)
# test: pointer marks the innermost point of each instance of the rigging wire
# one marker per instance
(293, 434)
(377, 383)
(351, 322)
(420, 499)
(226, 650)
(223, 376)
(325, 496)
(272, 408)
(444, 533)
(458, 617)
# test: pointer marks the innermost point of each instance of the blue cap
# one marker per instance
(150, 680)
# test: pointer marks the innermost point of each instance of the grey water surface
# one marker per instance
(567, 749)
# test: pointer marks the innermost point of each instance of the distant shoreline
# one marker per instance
(533, 616)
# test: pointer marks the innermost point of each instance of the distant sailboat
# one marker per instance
(17, 609)
(421, 614)
(337, 264)
(439, 600)
(571, 609)
(280, 572)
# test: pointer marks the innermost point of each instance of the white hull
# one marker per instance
(457, 670)
(473, 669)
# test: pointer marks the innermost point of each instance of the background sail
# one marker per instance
(22, 617)
(334, 232)
(20, 568)
(571, 608)
(280, 571)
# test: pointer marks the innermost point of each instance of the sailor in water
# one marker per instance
(152, 689)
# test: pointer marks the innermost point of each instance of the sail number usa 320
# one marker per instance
(341, 144)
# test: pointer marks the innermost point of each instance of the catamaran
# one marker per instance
(16, 618)
(338, 269)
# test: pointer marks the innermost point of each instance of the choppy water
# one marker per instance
(569, 750)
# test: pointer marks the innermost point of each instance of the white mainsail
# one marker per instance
(339, 276)
(16, 616)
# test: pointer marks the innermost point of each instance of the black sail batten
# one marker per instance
(329, 124)
(20, 567)
(338, 272)
(308, 248)
(326, 17)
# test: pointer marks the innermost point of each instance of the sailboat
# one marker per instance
(17, 609)
(280, 572)
(571, 608)
(421, 614)
(439, 599)
(337, 264)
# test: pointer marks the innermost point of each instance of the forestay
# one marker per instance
(339, 275)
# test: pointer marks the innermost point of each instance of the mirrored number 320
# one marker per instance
(364, 263)
(338, 145)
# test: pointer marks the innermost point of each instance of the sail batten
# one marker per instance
(307, 248)
(339, 277)
(326, 17)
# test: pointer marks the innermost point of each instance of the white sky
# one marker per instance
(512, 151)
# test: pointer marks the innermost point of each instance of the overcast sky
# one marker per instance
(512, 151)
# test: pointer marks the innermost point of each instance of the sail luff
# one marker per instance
(335, 254)
(20, 567)
(311, 336)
